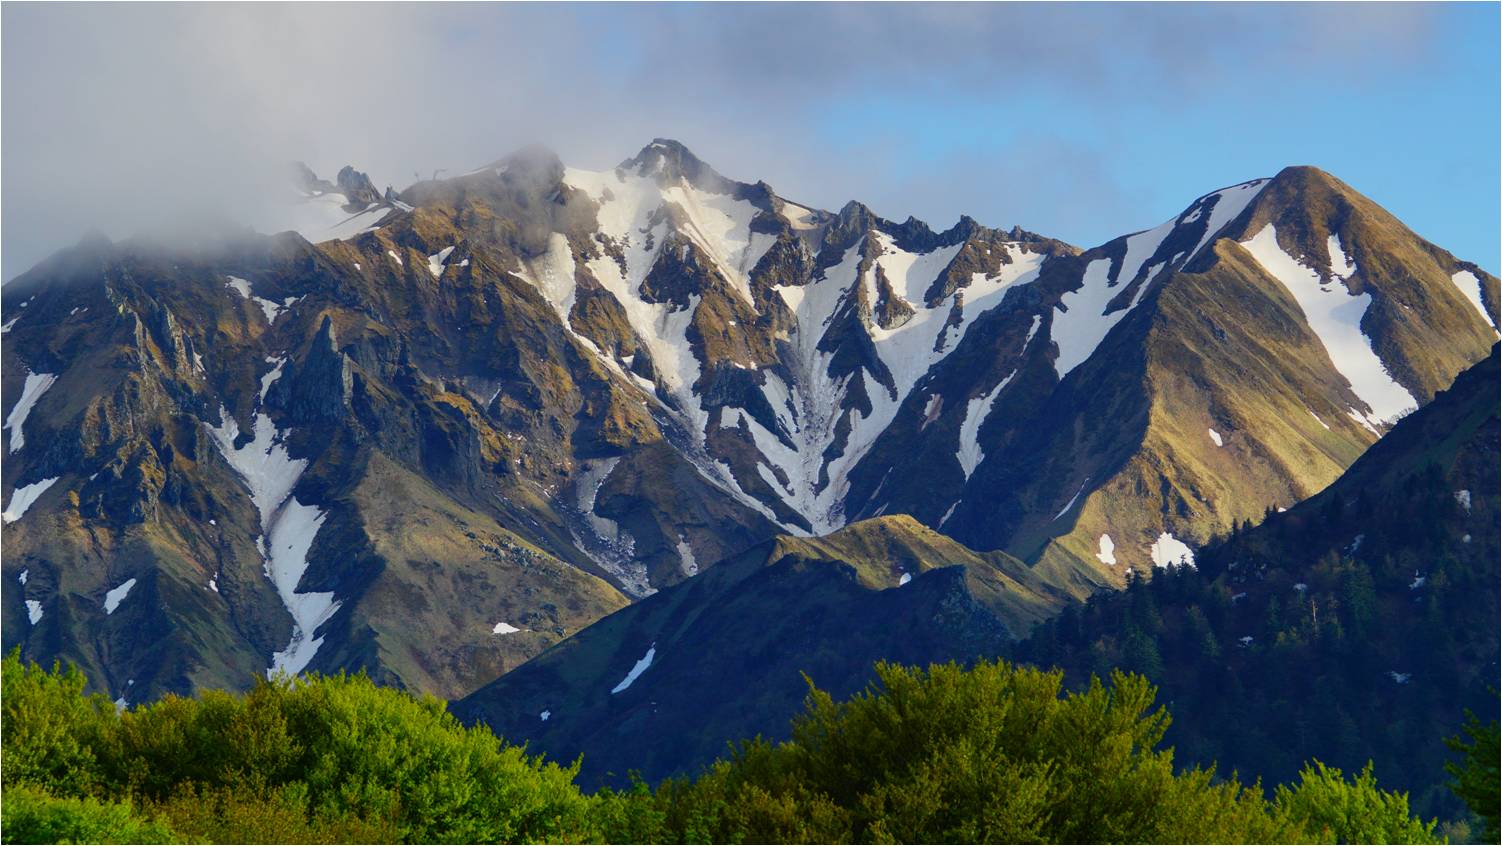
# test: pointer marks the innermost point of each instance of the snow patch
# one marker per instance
(1334, 314)
(322, 217)
(611, 546)
(686, 556)
(1469, 286)
(36, 385)
(636, 671)
(906, 577)
(1464, 498)
(1215, 436)
(270, 378)
(1233, 201)
(1107, 553)
(116, 595)
(553, 276)
(797, 216)
(289, 540)
(437, 260)
(1169, 551)
(1340, 264)
(504, 629)
(948, 514)
(970, 453)
(270, 308)
(24, 497)
(544, 715)
(1073, 499)
(288, 528)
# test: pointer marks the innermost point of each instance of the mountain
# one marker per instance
(487, 411)
(1359, 625)
(726, 652)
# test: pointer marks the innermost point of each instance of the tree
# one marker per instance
(1335, 810)
(1476, 776)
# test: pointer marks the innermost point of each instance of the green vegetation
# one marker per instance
(993, 753)
(332, 759)
(1335, 632)
(1477, 781)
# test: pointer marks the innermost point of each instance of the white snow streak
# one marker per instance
(636, 671)
(116, 595)
(288, 529)
(1469, 286)
(36, 385)
(1073, 499)
(1334, 315)
(1232, 202)
(437, 260)
(970, 453)
(23, 497)
(270, 378)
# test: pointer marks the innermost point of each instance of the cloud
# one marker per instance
(134, 117)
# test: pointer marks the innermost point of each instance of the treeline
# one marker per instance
(994, 753)
(1367, 644)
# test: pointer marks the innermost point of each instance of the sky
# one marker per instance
(1081, 122)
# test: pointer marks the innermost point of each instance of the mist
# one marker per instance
(136, 118)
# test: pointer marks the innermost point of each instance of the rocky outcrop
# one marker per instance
(357, 189)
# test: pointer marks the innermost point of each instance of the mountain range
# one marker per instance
(546, 438)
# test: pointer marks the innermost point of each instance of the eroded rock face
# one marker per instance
(357, 187)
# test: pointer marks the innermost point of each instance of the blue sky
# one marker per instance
(1082, 122)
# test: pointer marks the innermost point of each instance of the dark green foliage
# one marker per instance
(1477, 780)
(1356, 627)
(992, 754)
(988, 754)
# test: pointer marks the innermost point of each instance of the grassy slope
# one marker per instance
(731, 645)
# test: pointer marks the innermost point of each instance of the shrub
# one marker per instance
(1338, 811)
(990, 754)
(29, 815)
(52, 730)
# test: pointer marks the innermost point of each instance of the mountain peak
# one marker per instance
(670, 161)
